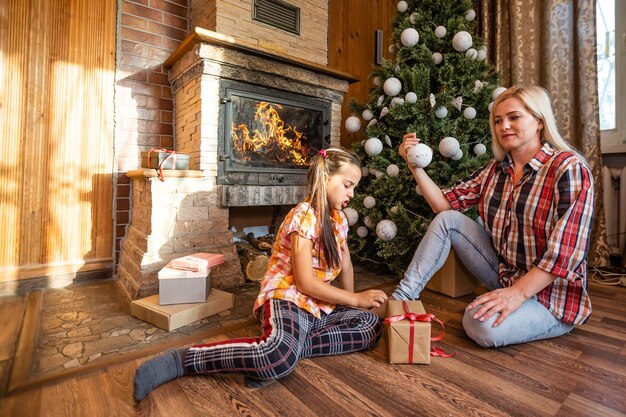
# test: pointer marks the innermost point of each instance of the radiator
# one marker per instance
(614, 189)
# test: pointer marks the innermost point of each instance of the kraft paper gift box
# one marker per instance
(453, 279)
(407, 341)
(178, 286)
(171, 317)
(198, 261)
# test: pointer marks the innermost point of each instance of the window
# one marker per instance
(611, 59)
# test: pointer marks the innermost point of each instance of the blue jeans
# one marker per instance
(532, 321)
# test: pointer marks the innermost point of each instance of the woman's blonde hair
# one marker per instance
(323, 165)
(538, 103)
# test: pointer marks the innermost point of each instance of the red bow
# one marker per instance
(172, 155)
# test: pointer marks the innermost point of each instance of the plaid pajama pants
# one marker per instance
(289, 334)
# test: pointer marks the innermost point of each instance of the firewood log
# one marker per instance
(258, 243)
(253, 261)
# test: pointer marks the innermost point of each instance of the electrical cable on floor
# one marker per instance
(607, 277)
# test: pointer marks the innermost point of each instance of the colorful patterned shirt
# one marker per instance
(279, 281)
(543, 221)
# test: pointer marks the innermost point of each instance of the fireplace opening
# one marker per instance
(269, 136)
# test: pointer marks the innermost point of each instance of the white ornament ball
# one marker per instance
(449, 146)
(396, 101)
(471, 53)
(377, 81)
(482, 55)
(480, 149)
(393, 170)
(353, 124)
(378, 173)
(469, 113)
(441, 112)
(413, 18)
(367, 115)
(410, 97)
(418, 190)
(373, 146)
(369, 202)
(490, 106)
(437, 58)
(362, 231)
(352, 215)
(462, 41)
(402, 6)
(386, 230)
(365, 171)
(470, 15)
(457, 155)
(409, 37)
(440, 31)
(367, 220)
(419, 156)
(392, 49)
(497, 92)
(392, 86)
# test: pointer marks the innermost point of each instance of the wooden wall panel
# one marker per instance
(353, 24)
(57, 77)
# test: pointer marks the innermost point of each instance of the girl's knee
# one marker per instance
(280, 361)
(482, 332)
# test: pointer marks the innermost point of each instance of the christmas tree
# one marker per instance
(438, 85)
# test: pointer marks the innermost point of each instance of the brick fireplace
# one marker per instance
(189, 212)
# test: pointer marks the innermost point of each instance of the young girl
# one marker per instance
(302, 315)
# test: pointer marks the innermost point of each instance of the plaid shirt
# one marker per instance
(544, 221)
(279, 281)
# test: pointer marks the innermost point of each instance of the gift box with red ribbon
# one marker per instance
(409, 333)
(198, 261)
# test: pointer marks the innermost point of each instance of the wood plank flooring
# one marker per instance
(580, 374)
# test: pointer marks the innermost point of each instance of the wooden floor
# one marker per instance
(580, 374)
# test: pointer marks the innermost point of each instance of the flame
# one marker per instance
(271, 141)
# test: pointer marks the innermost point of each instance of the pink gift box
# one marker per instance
(198, 261)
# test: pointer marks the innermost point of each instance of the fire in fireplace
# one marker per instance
(268, 136)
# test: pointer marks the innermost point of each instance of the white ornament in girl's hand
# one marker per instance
(362, 231)
(352, 215)
(462, 41)
(469, 113)
(369, 202)
(449, 146)
(418, 190)
(409, 37)
(392, 86)
(386, 230)
(440, 31)
(480, 149)
(419, 156)
(393, 170)
(353, 124)
(410, 97)
(367, 115)
(373, 146)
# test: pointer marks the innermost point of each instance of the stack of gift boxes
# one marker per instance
(185, 293)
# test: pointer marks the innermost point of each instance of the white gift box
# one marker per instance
(178, 286)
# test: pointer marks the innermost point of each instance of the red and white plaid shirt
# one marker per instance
(543, 221)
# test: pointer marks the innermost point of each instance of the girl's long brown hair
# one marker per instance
(324, 165)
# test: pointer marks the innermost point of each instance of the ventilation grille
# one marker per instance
(277, 13)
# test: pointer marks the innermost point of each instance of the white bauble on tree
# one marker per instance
(384, 111)
(372, 122)
(402, 6)
(437, 58)
(365, 171)
(419, 156)
(386, 230)
(380, 101)
(471, 53)
(369, 202)
(470, 15)
(388, 141)
(377, 81)
(373, 146)
(410, 97)
(480, 149)
(418, 190)
(469, 113)
(352, 215)
(441, 112)
(482, 54)
(393, 170)
(458, 155)
(378, 173)
(396, 101)
(367, 115)
(440, 31)
(392, 86)
(449, 146)
(413, 18)
(362, 231)
(462, 41)
(409, 37)
(367, 220)
(353, 124)
(497, 91)
(392, 49)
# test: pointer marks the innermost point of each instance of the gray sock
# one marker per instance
(158, 371)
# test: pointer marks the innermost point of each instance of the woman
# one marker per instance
(535, 199)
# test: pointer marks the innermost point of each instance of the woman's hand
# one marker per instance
(503, 301)
(408, 140)
(370, 299)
